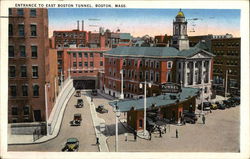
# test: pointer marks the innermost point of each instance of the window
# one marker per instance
(141, 74)
(34, 51)
(35, 71)
(85, 54)
(140, 123)
(32, 12)
(20, 29)
(33, 30)
(14, 111)
(79, 54)
(91, 55)
(101, 55)
(86, 64)
(170, 64)
(157, 77)
(74, 55)
(74, 64)
(13, 91)
(80, 64)
(124, 62)
(23, 71)
(25, 90)
(12, 70)
(26, 110)
(11, 51)
(20, 11)
(10, 11)
(22, 51)
(91, 64)
(10, 30)
(157, 64)
(59, 54)
(35, 90)
(152, 76)
(101, 63)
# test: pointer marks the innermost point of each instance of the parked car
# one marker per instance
(71, 145)
(79, 103)
(227, 103)
(234, 100)
(101, 109)
(188, 119)
(220, 105)
(75, 123)
(191, 115)
(214, 106)
(94, 92)
(78, 93)
(206, 106)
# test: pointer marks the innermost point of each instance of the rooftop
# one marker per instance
(158, 101)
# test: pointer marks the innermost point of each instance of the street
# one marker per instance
(220, 133)
(84, 133)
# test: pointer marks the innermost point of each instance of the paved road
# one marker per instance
(219, 134)
(85, 133)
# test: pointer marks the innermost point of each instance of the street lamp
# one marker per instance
(47, 85)
(227, 71)
(122, 95)
(145, 100)
(117, 114)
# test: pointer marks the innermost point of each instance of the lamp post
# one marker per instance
(47, 85)
(117, 115)
(145, 102)
(122, 95)
(227, 71)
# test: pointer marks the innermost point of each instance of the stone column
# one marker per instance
(194, 72)
(202, 69)
(181, 72)
(185, 74)
(209, 71)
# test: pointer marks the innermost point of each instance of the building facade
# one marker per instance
(29, 72)
(226, 65)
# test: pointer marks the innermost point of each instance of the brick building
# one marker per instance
(190, 67)
(81, 64)
(226, 65)
(30, 61)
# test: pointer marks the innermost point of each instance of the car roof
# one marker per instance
(72, 140)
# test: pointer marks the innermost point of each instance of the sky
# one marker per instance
(141, 22)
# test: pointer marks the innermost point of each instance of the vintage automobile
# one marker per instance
(227, 103)
(206, 106)
(94, 92)
(79, 103)
(188, 119)
(214, 106)
(234, 101)
(220, 105)
(78, 93)
(77, 120)
(101, 109)
(71, 145)
(191, 115)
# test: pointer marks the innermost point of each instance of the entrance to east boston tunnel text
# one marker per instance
(84, 84)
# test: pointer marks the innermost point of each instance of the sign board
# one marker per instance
(170, 87)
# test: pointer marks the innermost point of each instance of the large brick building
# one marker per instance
(190, 67)
(226, 65)
(31, 66)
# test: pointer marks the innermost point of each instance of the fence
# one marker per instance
(39, 132)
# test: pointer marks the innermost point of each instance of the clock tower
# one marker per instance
(180, 37)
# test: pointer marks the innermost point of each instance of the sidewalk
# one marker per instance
(28, 139)
(103, 147)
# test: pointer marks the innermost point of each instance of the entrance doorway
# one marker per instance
(37, 115)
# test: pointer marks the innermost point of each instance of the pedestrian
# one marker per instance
(210, 111)
(176, 133)
(150, 135)
(160, 132)
(126, 137)
(97, 140)
(135, 135)
(91, 99)
(165, 130)
(203, 119)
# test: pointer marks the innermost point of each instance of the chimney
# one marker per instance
(78, 25)
(82, 25)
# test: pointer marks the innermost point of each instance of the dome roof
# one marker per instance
(180, 14)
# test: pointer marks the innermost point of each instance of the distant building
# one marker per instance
(226, 68)
(31, 66)
(125, 39)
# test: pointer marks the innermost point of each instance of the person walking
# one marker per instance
(97, 141)
(135, 135)
(126, 137)
(176, 133)
(150, 135)
(203, 119)
(160, 132)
